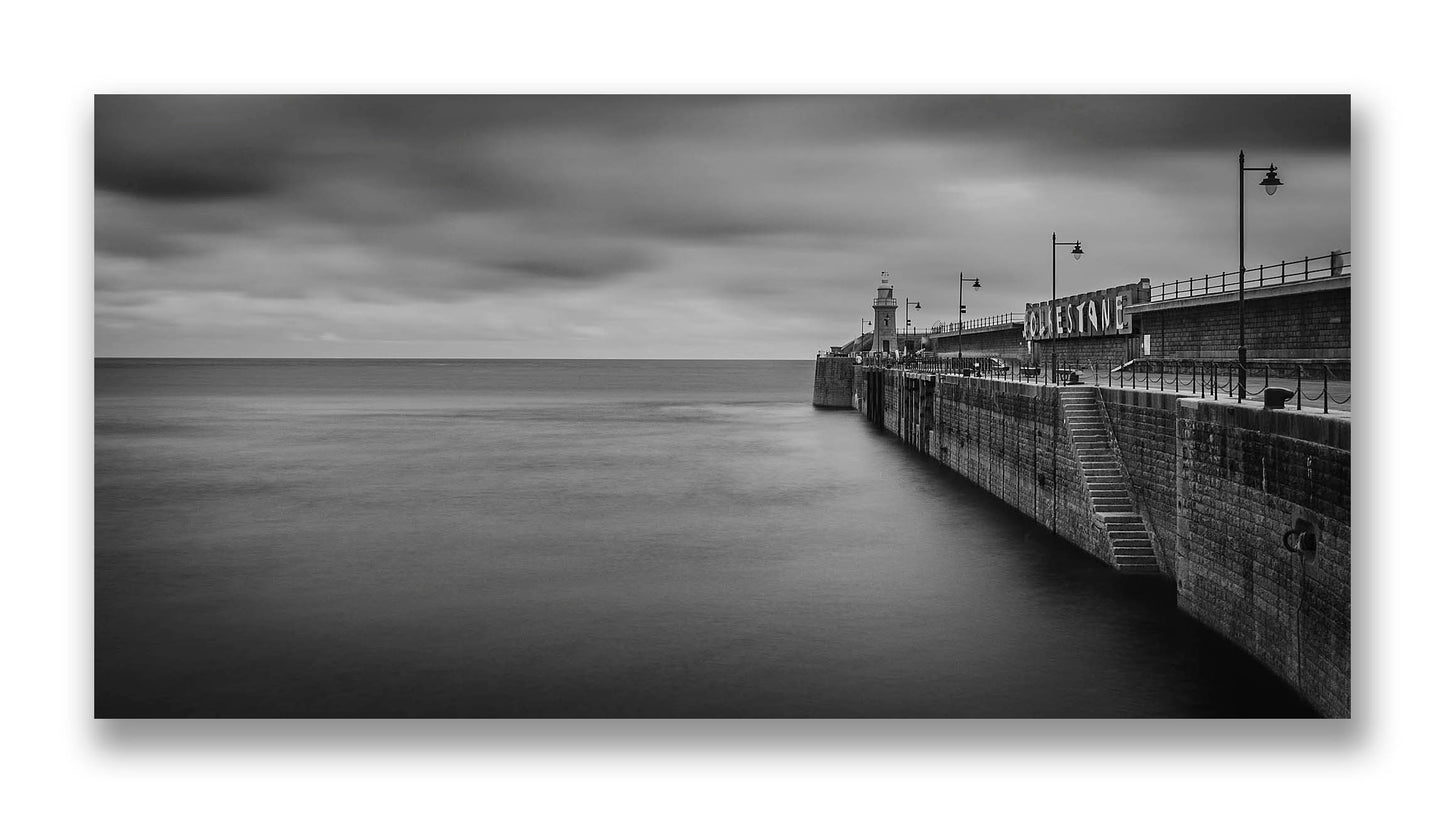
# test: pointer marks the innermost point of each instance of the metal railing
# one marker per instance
(1334, 264)
(1311, 380)
(985, 321)
(1314, 382)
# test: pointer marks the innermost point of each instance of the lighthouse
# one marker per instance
(885, 310)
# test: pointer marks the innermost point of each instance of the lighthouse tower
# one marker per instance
(885, 322)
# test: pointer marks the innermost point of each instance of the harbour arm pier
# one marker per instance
(1145, 452)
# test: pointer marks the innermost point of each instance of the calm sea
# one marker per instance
(589, 538)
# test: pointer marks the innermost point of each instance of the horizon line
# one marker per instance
(426, 358)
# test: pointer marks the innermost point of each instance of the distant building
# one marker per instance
(885, 321)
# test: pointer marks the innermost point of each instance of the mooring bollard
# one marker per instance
(1275, 397)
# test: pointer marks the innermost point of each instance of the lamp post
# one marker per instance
(961, 309)
(906, 320)
(1271, 184)
(861, 323)
(1078, 253)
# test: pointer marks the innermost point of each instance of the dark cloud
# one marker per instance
(720, 204)
(1142, 122)
(190, 147)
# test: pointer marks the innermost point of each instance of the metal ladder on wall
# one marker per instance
(1131, 545)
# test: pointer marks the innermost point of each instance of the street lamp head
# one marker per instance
(1078, 251)
(976, 284)
(917, 305)
(1271, 182)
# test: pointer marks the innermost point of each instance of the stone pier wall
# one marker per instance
(833, 382)
(1218, 484)
(1246, 476)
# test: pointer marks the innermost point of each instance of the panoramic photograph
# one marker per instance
(722, 406)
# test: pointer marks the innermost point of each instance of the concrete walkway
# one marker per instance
(1312, 390)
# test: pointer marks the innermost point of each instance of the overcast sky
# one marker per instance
(666, 226)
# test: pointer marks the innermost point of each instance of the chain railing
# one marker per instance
(1314, 382)
(1334, 264)
(1311, 380)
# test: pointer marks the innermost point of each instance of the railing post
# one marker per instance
(1299, 387)
(1325, 393)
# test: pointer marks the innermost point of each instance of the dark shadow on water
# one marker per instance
(1243, 686)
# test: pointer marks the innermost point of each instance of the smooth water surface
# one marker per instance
(590, 538)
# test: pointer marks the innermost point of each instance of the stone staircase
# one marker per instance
(1130, 543)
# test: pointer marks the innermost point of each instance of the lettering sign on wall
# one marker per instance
(1100, 313)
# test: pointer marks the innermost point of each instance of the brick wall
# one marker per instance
(999, 434)
(833, 381)
(1094, 352)
(1142, 423)
(1245, 475)
(1007, 342)
(1300, 325)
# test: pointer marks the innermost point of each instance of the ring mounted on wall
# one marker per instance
(1302, 539)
